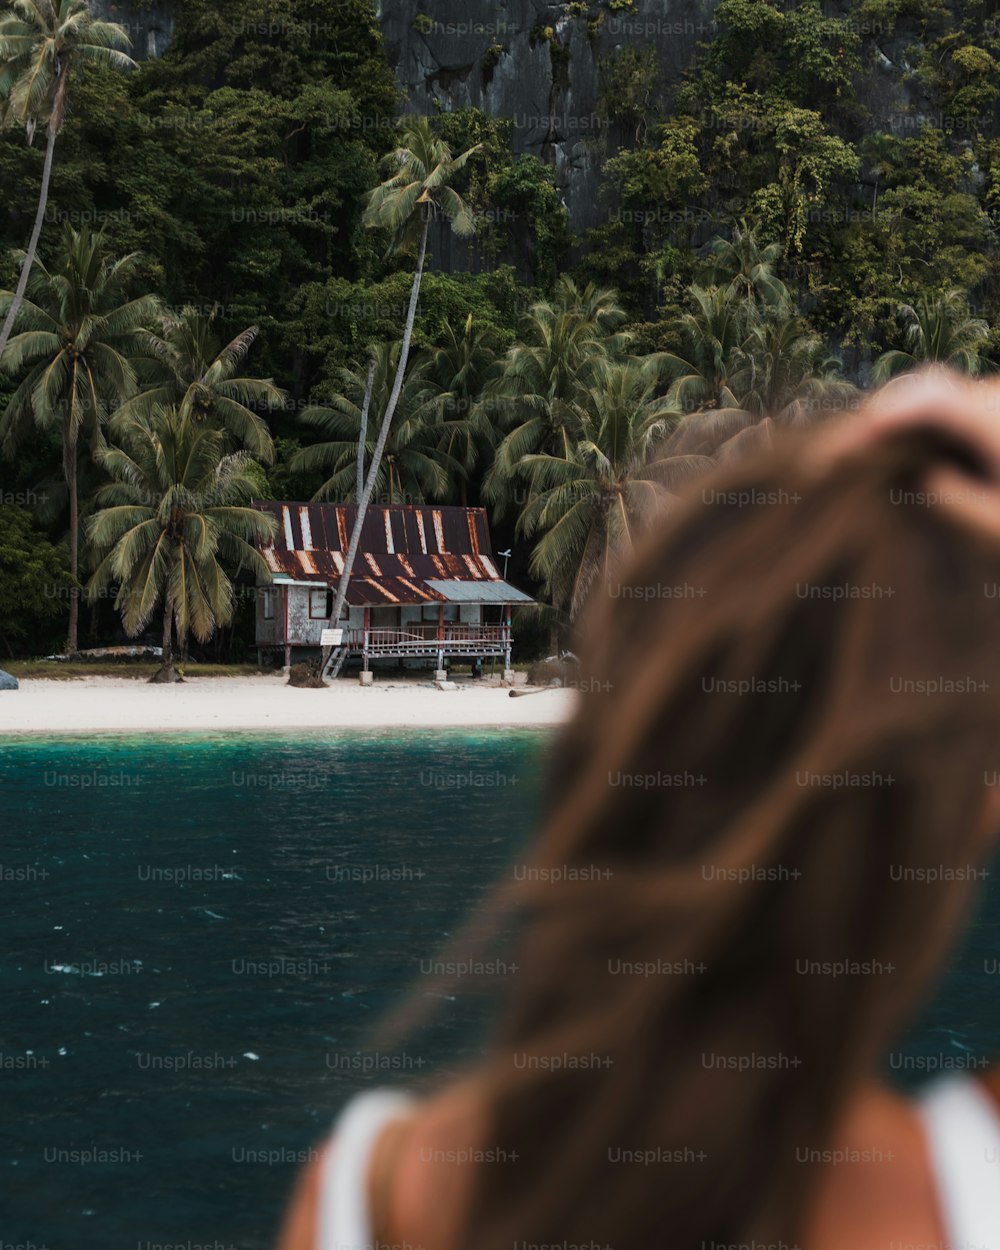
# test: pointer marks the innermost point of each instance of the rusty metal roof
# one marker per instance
(404, 550)
(399, 529)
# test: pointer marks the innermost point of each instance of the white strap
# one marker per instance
(345, 1221)
(963, 1134)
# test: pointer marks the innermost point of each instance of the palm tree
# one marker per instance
(463, 365)
(41, 43)
(563, 345)
(741, 263)
(713, 334)
(195, 370)
(415, 194)
(939, 328)
(750, 367)
(173, 512)
(80, 337)
(413, 465)
(590, 503)
(786, 372)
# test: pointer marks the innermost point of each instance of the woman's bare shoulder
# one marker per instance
(417, 1176)
(880, 1189)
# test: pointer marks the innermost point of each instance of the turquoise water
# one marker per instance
(197, 935)
(199, 932)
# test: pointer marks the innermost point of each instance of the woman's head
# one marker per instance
(764, 826)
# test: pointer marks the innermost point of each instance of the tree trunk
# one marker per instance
(69, 472)
(363, 435)
(167, 673)
(29, 260)
(383, 436)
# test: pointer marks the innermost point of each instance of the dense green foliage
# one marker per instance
(777, 227)
(34, 583)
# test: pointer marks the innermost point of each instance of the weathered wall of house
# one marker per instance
(302, 629)
(270, 630)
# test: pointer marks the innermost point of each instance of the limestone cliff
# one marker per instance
(538, 62)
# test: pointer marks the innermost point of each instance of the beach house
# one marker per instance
(424, 586)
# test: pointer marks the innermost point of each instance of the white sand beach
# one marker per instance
(109, 705)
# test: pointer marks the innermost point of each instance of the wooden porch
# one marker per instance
(428, 639)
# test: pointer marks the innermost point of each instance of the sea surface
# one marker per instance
(198, 934)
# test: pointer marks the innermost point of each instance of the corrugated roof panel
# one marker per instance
(393, 586)
(382, 587)
(417, 590)
(478, 592)
(416, 529)
(405, 553)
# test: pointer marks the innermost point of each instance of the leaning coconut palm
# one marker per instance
(563, 346)
(415, 194)
(173, 513)
(194, 368)
(77, 347)
(590, 504)
(41, 44)
(413, 466)
(938, 328)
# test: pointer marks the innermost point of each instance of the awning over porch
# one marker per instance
(478, 592)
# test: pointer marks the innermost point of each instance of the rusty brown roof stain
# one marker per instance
(402, 547)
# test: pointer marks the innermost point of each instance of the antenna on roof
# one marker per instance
(506, 556)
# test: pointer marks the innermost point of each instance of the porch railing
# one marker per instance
(418, 640)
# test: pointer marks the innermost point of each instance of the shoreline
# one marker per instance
(114, 705)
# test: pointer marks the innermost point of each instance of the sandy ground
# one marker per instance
(109, 705)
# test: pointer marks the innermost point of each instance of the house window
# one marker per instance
(268, 605)
(320, 605)
(431, 611)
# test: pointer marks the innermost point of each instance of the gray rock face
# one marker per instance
(534, 63)
(150, 27)
(6, 681)
(527, 60)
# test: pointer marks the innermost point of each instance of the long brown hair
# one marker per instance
(763, 823)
